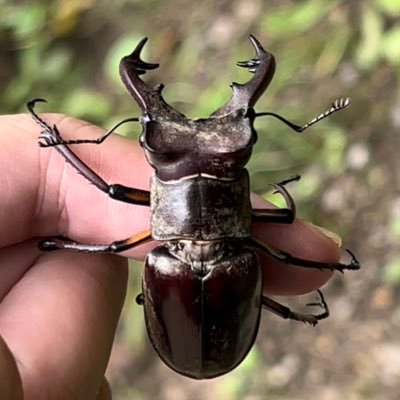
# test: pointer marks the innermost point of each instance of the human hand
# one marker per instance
(59, 310)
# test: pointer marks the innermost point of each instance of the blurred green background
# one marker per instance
(68, 52)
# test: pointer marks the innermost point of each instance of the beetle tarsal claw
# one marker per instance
(50, 137)
(354, 263)
(46, 139)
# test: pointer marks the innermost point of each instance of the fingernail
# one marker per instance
(329, 234)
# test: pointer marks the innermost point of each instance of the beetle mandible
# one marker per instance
(202, 288)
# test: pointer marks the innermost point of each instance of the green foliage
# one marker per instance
(391, 272)
(297, 19)
(390, 7)
(377, 41)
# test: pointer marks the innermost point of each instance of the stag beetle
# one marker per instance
(202, 288)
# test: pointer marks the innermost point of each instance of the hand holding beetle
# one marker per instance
(59, 310)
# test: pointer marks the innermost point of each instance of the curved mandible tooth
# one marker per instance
(148, 98)
(249, 64)
(140, 65)
(246, 95)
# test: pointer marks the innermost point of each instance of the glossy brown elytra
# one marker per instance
(202, 288)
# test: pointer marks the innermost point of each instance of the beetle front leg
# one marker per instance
(58, 140)
(287, 258)
(286, 313)
(114, 247)
(280, 215)
(51, 136)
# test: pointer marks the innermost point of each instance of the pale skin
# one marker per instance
(59, 310)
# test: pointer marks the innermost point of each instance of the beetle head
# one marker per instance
(177, 146)
(244, 95)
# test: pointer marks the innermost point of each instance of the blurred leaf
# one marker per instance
(391, 7)
(188, 56)
(210, 99)
(65, 15)
(134, 332)
(17, 93)
(333, 51)
(184, 92)
(86, 104)
(395, 227)
(56, 63)
(391, 45)
(309, 184)
(368, 51)
(332, 152)
(29, 63)
(297, 19)
(391, 272)
(24, 20)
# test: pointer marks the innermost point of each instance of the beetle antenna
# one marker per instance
(337, 105)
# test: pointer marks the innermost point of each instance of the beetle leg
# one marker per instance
(114, 247)
(286, 313)
(280, 215)
(337, 105)
(56, 139)
(287, 258)
(52, 137)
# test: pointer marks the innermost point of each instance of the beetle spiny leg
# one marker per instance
(320, 302)
(51, 137)
(58, 140)
(287, 258)
(287, 313)
(290, 211)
